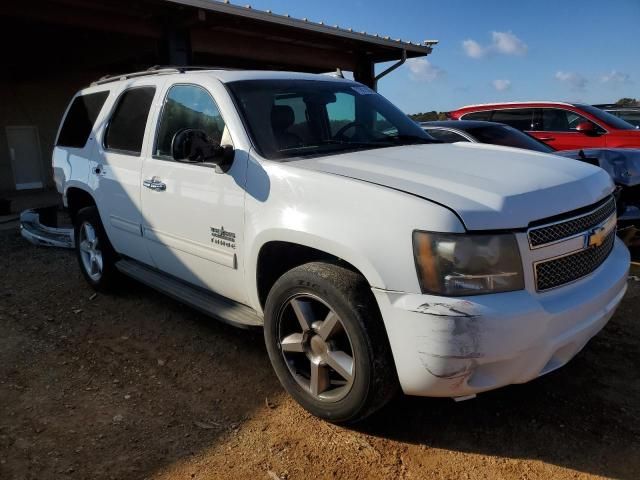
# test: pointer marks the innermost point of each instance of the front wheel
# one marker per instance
(327, 343)
(96, 256)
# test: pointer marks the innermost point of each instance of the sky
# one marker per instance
(495, 50)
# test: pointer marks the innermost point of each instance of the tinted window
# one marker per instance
(446, 136)
(80, 119)
(126, 127)
(508, 137)
(557, 120)
(340, 116)
(485, 115)
(520, 118)
(187, 106)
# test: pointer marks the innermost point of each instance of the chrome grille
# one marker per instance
(564, 229)
(559, 271)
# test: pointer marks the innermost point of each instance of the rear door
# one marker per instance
(116, 171)
(519, 118)
(194, 214)
(557, 127)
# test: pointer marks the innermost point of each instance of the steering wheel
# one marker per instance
(340, 133)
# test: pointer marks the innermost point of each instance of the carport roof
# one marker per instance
(380, 48)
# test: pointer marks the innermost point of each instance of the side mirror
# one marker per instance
(195, 146)
(588, 128)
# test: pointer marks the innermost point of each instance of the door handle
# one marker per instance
(99, 170)
(546, 139)
(154, 184)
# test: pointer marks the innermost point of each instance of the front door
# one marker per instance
(557, 127)
(24, 152)
(116, 173)
(194, 215)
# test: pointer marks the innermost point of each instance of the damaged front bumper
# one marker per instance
(39, 226)
(457, 347)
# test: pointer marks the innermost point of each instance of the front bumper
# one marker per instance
(454, 347)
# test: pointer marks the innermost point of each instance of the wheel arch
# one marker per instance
(275, 256)
(76, 199)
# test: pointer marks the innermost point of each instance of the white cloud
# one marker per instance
(508, 43)
(473, 49)
(504, 43)
(616, 78)
(575, 81)
(422, 70)
(501, 85)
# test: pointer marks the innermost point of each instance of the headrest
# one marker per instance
(282, 117)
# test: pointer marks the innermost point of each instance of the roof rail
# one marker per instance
(155, 70)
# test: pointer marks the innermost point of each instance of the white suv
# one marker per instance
(374, 256)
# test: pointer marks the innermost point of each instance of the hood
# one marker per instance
(489, 187)
(623, 164)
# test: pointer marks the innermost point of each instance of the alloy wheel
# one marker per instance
(316, 347)
(90, 252)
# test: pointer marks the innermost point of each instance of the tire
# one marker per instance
(95, 253)
(342, 321)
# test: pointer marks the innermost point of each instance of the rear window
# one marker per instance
(80, 119)
(484, 115)
(446, 136)
(508, 137)
(129, 120)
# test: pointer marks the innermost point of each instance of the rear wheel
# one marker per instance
(327, 343)
(96, 256)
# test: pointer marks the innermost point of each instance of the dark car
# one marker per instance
(483, 132)
(623, 164)
(628, 114)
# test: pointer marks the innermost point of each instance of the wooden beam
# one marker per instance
(269, 51)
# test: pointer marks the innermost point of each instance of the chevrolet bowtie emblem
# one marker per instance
(596, 237)
(599, 234)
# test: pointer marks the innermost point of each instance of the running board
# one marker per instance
(208, 303)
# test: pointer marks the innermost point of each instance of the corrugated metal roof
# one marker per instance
(418, 49)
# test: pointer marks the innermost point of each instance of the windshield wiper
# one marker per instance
(402, 139)
(358, 143)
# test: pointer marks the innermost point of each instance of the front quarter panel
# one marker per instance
(367, 225)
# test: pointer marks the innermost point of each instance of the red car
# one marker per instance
(564, 126)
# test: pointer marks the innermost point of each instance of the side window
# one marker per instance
(520, 118)
(80, 119)
(446, 136)
(484, 115)
(557, 120)
(341, 112)
(187, 106)
(125, 132)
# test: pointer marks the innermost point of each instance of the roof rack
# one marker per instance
(155, 70)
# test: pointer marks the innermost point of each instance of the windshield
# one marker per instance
(509, 137)
(606, 117)
(297, 118)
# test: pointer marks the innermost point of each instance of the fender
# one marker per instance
(310, 240)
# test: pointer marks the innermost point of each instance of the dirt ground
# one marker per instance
(138, 386)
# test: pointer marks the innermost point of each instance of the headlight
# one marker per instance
(467, 264)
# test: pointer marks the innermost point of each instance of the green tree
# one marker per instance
(628, 102)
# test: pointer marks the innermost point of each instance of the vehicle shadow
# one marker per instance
(585, 416)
